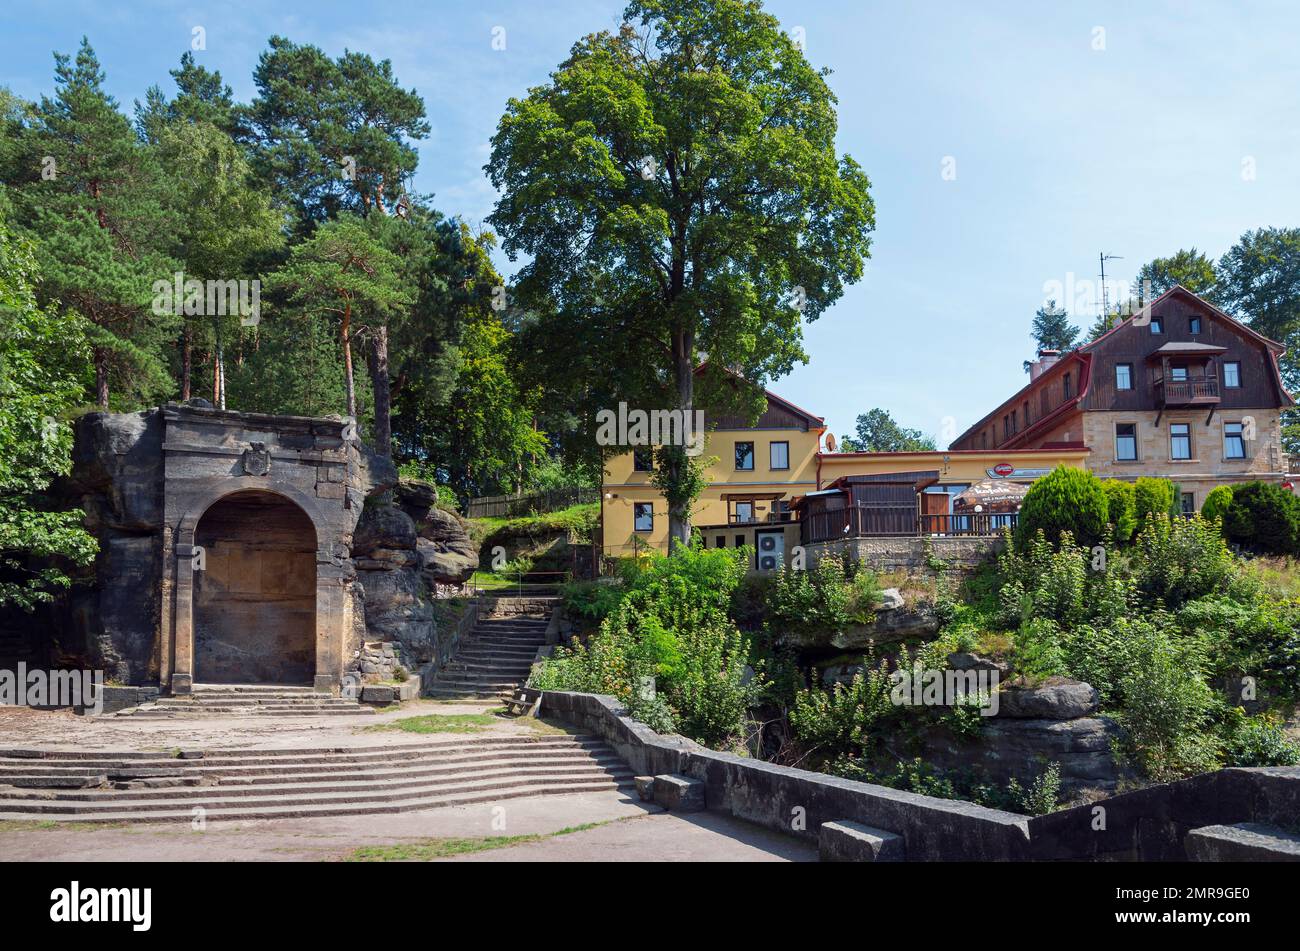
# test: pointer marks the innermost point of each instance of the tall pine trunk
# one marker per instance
(187, 350)
(383, 395)
(349, 381)
(101, 377)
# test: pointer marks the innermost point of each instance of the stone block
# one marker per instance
(847, 841)
(378, 693)
(645, 788)
(1242, 842)
(679, 793)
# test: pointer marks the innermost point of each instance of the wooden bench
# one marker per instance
(525, 702)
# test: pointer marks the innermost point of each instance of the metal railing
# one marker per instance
(866, 521)
(517, 584)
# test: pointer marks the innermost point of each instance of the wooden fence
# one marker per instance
(511, 506)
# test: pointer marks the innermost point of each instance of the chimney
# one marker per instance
(1046, 360)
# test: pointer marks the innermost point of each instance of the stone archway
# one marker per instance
(255, 599)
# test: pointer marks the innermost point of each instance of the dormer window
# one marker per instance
(1157, 325)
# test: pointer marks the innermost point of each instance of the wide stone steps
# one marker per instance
(260, 784)
(240, 700)
(493, 661)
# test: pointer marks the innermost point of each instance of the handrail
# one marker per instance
(477, 587)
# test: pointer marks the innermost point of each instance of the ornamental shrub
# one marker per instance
(1152, 497)
(1216, 503)
(1065, 500)
(1121, 510)
(1264, 518)
(1181, 559)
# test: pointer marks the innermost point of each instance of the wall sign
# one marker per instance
(1005, 470)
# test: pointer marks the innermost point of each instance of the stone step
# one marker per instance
(313, 774)
(173, 712)
(456, 693)
(1242, 842)
(350, 754)
(247, 812)
(298, 793)
(257, 688)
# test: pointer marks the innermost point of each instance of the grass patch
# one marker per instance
(439, 723)
(579, 520)
(430, 849)
(1280, 576)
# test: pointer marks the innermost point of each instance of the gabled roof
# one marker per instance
(816, 422)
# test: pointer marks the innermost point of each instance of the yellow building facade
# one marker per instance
(755, 473)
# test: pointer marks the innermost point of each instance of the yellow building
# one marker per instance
(758, 471)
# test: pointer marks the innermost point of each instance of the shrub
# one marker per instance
(844, 715)
(1040, 582)
(1065, 500)
(1043, 794)
(1257, 741)
(1264, 518)
(670, 626)
(590, 601)
(829, 598)
(1036, 650)
(1121, 510)
(1152, 497)
(1259, 638)
(1179, 560)
(1216, 503)
(1165, 705)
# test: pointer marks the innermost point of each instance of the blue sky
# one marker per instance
(1076, 128)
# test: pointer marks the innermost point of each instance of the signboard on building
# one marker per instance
(1005, 470)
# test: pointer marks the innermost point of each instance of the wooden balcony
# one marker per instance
(1197, 391)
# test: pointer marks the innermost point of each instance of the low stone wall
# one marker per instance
(1152, 824)
(908, 552)
(508, 607)
(797, 801)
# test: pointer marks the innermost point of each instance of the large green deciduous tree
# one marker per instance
(676, 187)
(1259, 283)
(1190, 268)
(43, 363)
(878, 432)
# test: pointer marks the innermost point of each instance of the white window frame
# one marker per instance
(1239, 436)
(636, 517)
(1187, 436)
(1134, 437)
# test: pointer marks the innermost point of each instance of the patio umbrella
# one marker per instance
(992, 495)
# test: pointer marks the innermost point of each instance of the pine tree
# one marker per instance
(97, 212)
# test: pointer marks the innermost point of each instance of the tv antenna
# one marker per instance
(1103, 257)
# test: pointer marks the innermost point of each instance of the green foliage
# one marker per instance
(1165, 704)
(1065, 500)
(1052, 329)
(592, 601)
(1121, 510)
(832, 596)
(1253, 636)
(1192, 269)
(1217, 504)
(1043, 582)
(1258, 741)
(846, 714)
(621, 145)
(1179, 560)
(1037, 652)
(1042, 796)
(1152, 497)
(43, 359)
(671, 628)
(878, 432)
(1264, 517)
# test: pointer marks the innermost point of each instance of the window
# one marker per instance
(1126, 442)
(779, 455)
(1026, 414)
(643, 460)
(1123, 376)
(1194, 325)
(1006, 426)
(745, 455)
(1188, 504)
(720, 541)
(744, 512)
(1157, 325)
(740, 541)
(643, 516)
(1232, 374)
(1234, 446)
(1180, 441)
(1178, 374)
(1065, 386)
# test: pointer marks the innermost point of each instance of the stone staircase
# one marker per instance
(77, 786)
(240, 700)
(494, 660)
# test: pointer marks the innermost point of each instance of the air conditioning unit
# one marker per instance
(770, 553)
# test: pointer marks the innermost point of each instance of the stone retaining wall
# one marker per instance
(908, 552)
(797, 801)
